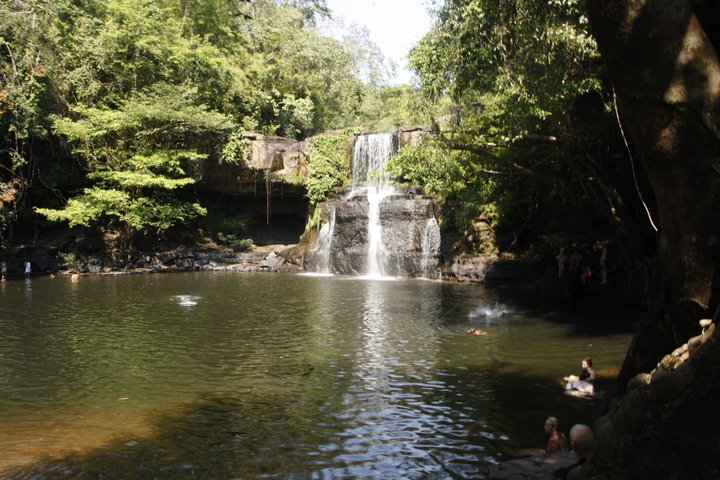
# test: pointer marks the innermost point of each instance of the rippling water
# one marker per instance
(225, 375)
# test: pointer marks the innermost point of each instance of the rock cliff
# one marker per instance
(665, 425)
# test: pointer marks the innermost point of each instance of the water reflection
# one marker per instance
(273, 375)
(375, 357)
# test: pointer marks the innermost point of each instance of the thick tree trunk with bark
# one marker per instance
(662, 57)
(665, 71)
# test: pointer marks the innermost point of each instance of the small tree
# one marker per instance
(137, 156)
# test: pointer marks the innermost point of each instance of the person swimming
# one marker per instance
(476, 331)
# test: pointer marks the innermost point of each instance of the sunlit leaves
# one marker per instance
(89, 207)
(138, 154)
(522, 72)
(536, 54)
(328, 165)
(430, 165)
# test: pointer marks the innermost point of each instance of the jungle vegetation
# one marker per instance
(533, 144)
(134, 94)
(106, 106)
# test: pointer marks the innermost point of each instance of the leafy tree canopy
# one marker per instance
(532, 112)
(141, 90)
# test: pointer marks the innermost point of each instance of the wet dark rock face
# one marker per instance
(410, 235)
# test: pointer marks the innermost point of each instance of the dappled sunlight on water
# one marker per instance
(246, 375)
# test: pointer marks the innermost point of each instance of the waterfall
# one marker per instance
(375, 229)
(370, 155)
(427, 245)
(369, 177)
(324, 244)
(377, 253)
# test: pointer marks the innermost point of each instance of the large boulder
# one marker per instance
(532, 468)
(665, 426)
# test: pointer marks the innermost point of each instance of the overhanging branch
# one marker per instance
(512, 165)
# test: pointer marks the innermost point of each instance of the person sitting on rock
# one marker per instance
(585, 382)
(557, 441)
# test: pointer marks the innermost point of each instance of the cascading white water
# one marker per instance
(426, 245)
(370, 155)
(377, 253)
(366, 233)
(324, 244)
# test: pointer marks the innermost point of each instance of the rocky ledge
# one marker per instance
(532, 468)
(264, 259)
(665, 426)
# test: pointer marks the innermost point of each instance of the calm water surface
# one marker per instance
(226, 375)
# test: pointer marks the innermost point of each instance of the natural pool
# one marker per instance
(228, 375)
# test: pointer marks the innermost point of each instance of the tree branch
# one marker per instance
(512, 165)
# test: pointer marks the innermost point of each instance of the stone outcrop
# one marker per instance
(404, 220)
(467, 268)
(272, 158)
(409, 136)
(283, 159)
(40, 258)
(666, 425)
(532, 468)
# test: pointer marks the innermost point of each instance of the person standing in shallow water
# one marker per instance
(557, 441)
(603, 263)
(28, 269)
(562, 261)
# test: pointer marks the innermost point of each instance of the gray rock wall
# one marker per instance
(283, 158)
(404, 220)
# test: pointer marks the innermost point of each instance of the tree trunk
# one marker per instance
(666, 73)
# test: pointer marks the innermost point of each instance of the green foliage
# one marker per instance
(328, 165)
(222, 216)
(234, 242)
(308, 83)
(389, 107)
(538, 53)
(236, 150)
(431, 165)
(296, 116)
(531, 116)
(72, 261)
(134, 213)
(28, 43)
(132, 167)
(140, 91)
